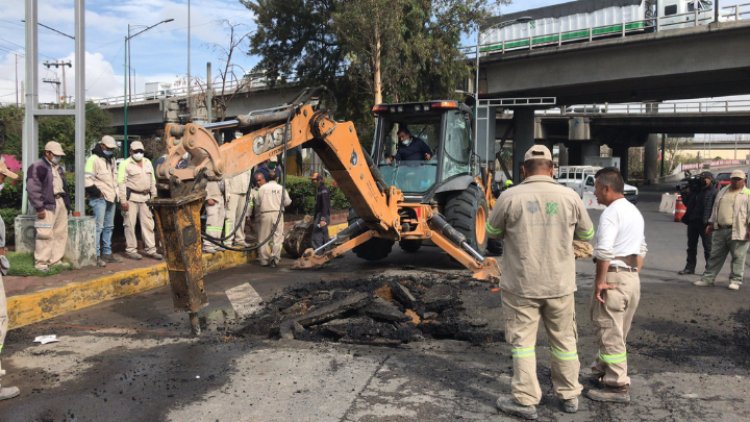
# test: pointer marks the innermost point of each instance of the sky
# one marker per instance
(157, 55)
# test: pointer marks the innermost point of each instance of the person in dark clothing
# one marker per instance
(411, 148)
(322, 212)
(698, 204)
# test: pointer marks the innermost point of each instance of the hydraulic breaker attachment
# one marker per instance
(446, 238)
(178, 220)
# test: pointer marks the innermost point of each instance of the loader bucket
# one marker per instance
(178, 220)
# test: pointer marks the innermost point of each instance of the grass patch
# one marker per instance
(22, 264)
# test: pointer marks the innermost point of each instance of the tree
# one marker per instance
(368, 50)
(58, 128)
(230, 83)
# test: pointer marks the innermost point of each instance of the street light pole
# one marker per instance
(126, 77)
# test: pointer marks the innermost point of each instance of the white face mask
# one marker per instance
(406, 142)
(138, 156)
(56, 159)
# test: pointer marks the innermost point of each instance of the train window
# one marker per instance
(670, 10)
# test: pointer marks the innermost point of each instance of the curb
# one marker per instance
(45, 304)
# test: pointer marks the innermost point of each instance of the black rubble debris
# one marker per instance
(380, 310)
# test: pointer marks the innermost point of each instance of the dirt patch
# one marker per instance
(383, 310)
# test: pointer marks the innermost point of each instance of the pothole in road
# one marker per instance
(383, 310)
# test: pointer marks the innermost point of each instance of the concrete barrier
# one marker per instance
(668, 202)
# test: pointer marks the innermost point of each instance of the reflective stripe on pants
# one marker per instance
(522, 318)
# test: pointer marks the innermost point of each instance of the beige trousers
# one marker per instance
(235, 204)
(51, 235)
(612, 321)
(138, 211)
(271, 251)
(522, 317)
(214, 221)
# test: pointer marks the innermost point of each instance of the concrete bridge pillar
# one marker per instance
(589, 149)
(651, 158)
(523, 138)
(622, 152)
(562, 158)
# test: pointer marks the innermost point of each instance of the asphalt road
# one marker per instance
(133, 359)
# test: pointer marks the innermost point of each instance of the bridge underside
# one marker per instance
(705, 61)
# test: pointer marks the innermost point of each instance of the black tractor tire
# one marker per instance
(374, 249)
(467, 212)
(410, 245)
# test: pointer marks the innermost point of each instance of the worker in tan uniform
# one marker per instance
(619, 251)
(271, 200)
(136, 185)
(48, 195)
(729, 226)
(214, 214)
(237, 196)
(101, 189)
(538, 221)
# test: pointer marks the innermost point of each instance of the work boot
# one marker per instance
(110, 259)
(209, 249)
(570, 405)
(133, 255)
(9, 392)
(508, 404)
(100, 262)
(703, 283)
(610, 394)
(686, 271)
(154, 255)
(734, 286)
(41, 267)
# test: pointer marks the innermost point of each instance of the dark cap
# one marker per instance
(707, 175)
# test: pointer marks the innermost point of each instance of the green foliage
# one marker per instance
(22, 264)
(11, 130)
(303, 192)
(58, 128)
(12, 195)
(9, 217)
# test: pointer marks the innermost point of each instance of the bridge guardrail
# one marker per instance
(697, 17)
(708, 106)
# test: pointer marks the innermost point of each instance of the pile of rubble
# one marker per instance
(381, 310)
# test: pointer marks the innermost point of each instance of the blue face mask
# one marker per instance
(108, 152)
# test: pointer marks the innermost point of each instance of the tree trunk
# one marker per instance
(376, 76)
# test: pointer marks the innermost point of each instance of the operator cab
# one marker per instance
(438, 145)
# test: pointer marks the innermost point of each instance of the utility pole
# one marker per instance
(58, 64)
(56, 83)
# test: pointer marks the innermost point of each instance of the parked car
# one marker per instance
(722, 179)
(581, 179)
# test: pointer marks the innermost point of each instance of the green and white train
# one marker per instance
(585, 20)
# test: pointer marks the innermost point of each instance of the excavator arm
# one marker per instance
(194, 157)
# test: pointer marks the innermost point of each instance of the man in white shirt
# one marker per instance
(619, 250)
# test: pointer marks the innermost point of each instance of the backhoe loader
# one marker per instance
(442, 200)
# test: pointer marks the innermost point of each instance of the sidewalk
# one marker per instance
(34, 299)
